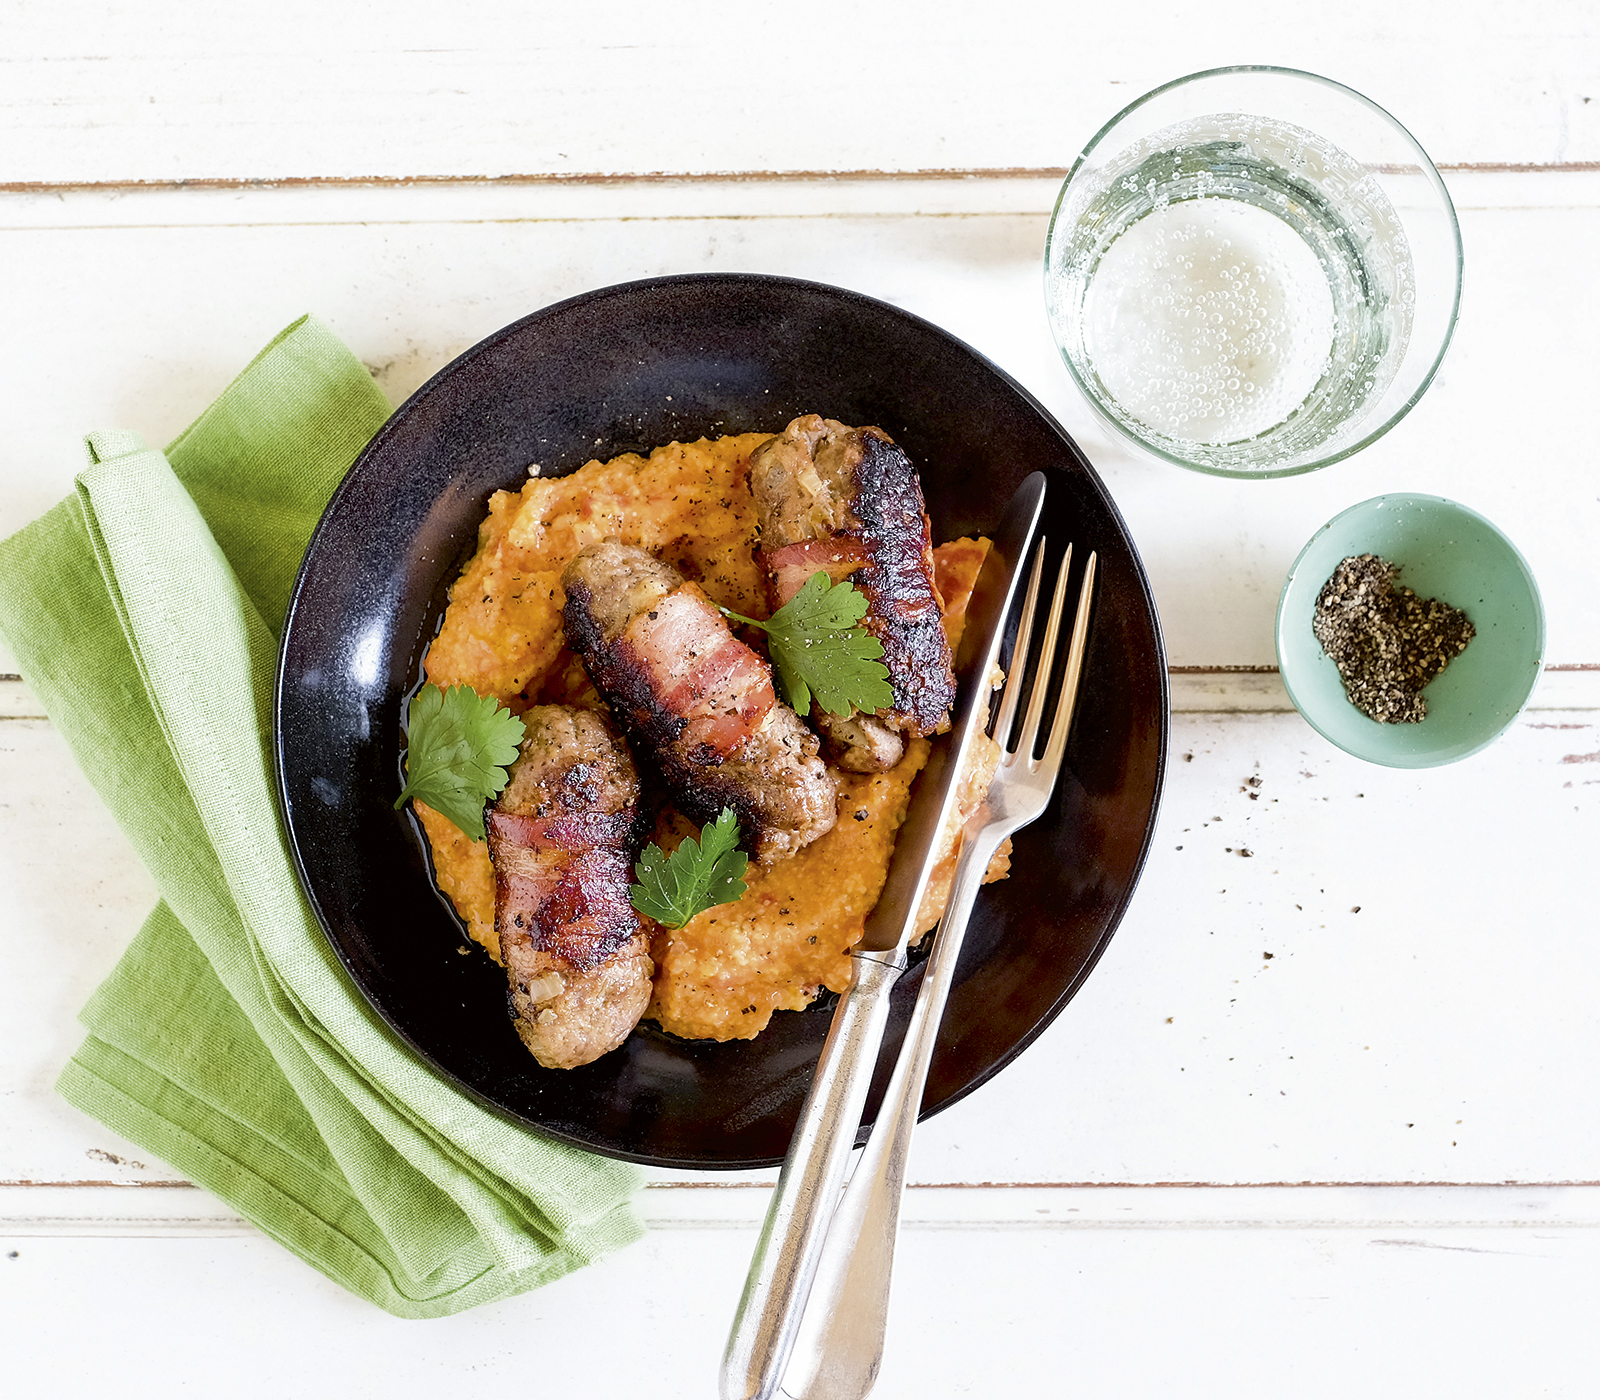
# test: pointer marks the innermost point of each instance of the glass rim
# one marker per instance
(1426, 167)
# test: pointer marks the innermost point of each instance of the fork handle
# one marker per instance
(768, 1318)
(840, 1347)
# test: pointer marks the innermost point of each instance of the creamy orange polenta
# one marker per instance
(725, 973)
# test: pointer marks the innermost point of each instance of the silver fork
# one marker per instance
(840, 1345)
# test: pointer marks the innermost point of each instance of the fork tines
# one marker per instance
(1036, 679)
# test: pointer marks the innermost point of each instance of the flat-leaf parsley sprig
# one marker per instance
(819, 649)
(458, 744)
(672, 889)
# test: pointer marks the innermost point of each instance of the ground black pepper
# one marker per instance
(1387, 642)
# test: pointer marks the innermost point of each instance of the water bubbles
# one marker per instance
(1203, 321)
(1211, 299)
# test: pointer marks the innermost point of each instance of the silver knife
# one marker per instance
(790, 1245)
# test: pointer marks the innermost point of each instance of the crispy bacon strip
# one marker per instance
(848, 500)
(569, 899)
(698, 701)
(563, 838)
(699, 671)
(788, 568)
(568, 832)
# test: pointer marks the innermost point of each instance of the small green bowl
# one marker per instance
(1444, 551)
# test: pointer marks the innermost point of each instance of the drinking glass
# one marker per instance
(1253, 271)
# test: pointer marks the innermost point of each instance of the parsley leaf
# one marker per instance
(699, 874)
(819, 649)
(457, 742)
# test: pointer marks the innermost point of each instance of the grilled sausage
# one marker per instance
(848, 501)
(696, 699)
(563, 837)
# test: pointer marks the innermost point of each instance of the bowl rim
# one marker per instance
(1432, 502)
(348, 490)
(1429, 170)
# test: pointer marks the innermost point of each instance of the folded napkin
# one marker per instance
(229, 1040)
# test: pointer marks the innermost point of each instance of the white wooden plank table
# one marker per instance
(1366, 1163)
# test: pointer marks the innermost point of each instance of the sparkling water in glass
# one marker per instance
(1237, 292)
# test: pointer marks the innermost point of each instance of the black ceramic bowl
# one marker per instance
(631, 368)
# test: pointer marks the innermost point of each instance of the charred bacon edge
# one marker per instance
(568, 897)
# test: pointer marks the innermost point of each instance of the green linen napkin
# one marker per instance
(229, 1041)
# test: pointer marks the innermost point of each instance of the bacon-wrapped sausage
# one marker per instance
(563, 837)
(697, 700)
(848, 501)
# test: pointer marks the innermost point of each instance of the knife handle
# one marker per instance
(786, 1254)
(847, 1313)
